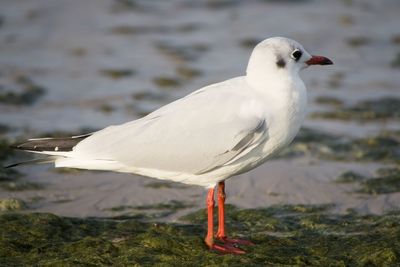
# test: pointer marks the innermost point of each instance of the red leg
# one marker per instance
(209, 239)
(221, 211)
(221, 235)
(210, 212)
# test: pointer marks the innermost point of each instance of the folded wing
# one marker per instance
(195, 134)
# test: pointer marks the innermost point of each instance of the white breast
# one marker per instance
(284, 115)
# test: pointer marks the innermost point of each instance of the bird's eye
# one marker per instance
(296, 55)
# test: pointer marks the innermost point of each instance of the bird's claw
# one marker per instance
(227, 245)
(227, 248)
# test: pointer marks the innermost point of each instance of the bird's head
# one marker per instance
(281, 55)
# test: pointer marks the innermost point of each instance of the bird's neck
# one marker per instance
(273, 83)
(285, 93)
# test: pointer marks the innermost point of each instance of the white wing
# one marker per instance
(195, 134)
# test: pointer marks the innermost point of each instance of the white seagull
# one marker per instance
(214, 133)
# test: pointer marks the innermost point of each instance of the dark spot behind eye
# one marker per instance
(280, 63)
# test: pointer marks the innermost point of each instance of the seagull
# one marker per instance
(206, 137)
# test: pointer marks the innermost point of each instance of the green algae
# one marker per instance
(124, 5)
(147, 95)
(357, 41)
(67, 170)
(106, 108)
(396, 61)
(20, 185)
(11, 204)
(131, 29)
(287, 1)
(4, 128)
(346, 20)
(284, 236)
(117, 73)
(349, 177)
(63, 200)
(183, 72)
(221, 4)
(182, 53)
(9, 174)
(329, 100)
(167, 81)
(386, 180)
(377, 148)
(6, 154)
(188, 73)
(150, 29)
(377, 109)
(78, 51)
(173, 205)
(29, 92)
(188, 27)
(154, 211)
(5, 150)
(383, 148)
(12, 179)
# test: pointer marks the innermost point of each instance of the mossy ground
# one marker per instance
(284, 236)
(11, 204)
(385, 181)
(383, 148)
(117, 73)
(12, 179)
(396, 61)
(149, 212)
(27, 94)
(368, 110)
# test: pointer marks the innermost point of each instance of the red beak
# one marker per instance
(319, 60)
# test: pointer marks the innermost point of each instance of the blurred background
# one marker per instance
(70, 67)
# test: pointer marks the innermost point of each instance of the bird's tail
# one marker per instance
(52, 147)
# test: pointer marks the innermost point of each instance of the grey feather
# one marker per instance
(249, 139)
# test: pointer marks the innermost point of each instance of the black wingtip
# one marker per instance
(15, 146)
(20, 145)
(62, 144)
(47, 159)
(11, 165)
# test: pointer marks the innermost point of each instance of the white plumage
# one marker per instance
(212, 134)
